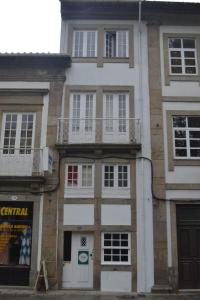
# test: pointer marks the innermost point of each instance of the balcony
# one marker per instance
(22, 162)
(98, 131)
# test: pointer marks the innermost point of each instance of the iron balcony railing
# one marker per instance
(98, 130)
(21, 161)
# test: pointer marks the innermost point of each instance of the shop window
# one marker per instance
(15, 233)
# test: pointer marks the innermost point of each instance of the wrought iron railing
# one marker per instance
(98, 130)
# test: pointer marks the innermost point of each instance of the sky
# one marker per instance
(31, 25)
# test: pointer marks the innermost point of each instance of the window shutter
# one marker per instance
(78, 43)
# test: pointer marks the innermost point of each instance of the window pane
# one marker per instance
(190, 62)
(174, 43)
(195, 143)
(180, 143)
(181, 152)
(176, 61)
(194, 134)
(190, 70)
(78, 43)
(195, 152)
(176, 70)
(110, 37)
(86, 175)
(194, 122)
(76, 113)
(189, 54)
(91, 41)
(122, 43)
(180, 133)
(109, 176)
(89, 113)
(188, 43)
(175, 53)
(72, 176)
(179, 121)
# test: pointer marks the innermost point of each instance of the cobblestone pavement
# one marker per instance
(62, 295)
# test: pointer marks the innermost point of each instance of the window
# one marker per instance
(182, 56)
(18, 131)
(116, 176)
(82, 117)
(186, 132)
(116, 248)
(80, 176)
(116, 44)
(85, 43)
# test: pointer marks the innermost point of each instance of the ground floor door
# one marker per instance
(188, 234)
(78, 260)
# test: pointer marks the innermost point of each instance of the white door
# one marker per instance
(115, 121)
(17, 141)
(78, 272)
(81, 121)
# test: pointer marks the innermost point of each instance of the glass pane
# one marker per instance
(194, 134)
(175, 53)
(195, 143)
(190, 62)
(176, 61)
(190, 70)
(180, 133)
(124, 258)
(195, 152)
(116, 258)
(194, 122)
(176, 70)
(181, 152)
(107, 236)
(122, 43)
(179, 121)
(110, 37)
(174, 43)
(91, 41)
(180, 143)
(189, 54)
(188, 43)
(107, 258)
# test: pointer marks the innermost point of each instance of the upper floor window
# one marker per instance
(186, 131)
(182, 56)
(79, 180)
(85, 43)
(116, 181)
(116, 44)
(116, 248)
(17, 133)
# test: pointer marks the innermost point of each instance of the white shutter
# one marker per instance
(78, 43)
(122, 43)
(91, 44)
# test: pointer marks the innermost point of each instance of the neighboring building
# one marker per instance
(31, 87)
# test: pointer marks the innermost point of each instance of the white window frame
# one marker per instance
(182, 51)
(117, 32)
(103, 262)
(17, 145)
(116, 191)
(84, 48)
(82, 125)
(187, 138)
(80, 179)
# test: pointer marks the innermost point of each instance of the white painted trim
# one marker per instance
(183, 194)
(169, 237)
(23, 85)
(40, 233)
(43, 138)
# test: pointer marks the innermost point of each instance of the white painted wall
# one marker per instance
(121, 75)
(183, 88)
(181, 174)
(115, 214)
(78, 214)
(116, 281)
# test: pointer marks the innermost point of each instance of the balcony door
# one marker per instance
(17, 141)
(115, 120)
(82, 118)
